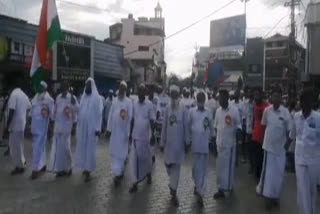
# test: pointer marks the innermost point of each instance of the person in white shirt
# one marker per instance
(200, 128)
(41, 112)
(88, 129)
(107, 107)
(118, 128)
(228, 127)
(248, 115)
(142, 126)
(277, 122)
(18, 105)
(187, 101)
(306, 132)
(173, 140)
(64, 116)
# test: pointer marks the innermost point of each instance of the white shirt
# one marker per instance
(142, 114)
(19, 102)
(164, 101)
(227, 121)
(200, 125)
(187, 102)
(278, 124)
(64, 114)
(306, 131)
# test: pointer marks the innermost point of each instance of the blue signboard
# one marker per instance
(228, 32)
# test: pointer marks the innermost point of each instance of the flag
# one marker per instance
(214, 74)
(48, 33)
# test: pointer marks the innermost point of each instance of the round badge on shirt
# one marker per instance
(205, 123)
(123, 114)
(228, 120)
(67, 112)
(172, 119)
(44, 111)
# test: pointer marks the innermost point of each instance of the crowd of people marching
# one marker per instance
(241, 127)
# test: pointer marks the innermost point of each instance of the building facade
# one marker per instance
(143, 42)
(74, 59)
(277, 62)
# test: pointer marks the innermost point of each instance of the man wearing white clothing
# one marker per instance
(88, 129)
(306, 132)
(200, 128)
(119, 129)
(64, 117)
(41, 112)
(173, 140)
(107, 107)
(141, 154)
(18, 105)
(228, 127)
(277, 122)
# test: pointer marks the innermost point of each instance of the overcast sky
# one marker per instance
(95, 16)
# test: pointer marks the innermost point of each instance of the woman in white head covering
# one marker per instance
(88, 129)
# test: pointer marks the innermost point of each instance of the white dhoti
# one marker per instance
(16, 148)
(225, 168)
(39, 151)
(307, 180)
(117, 165)
(199, 171)
(85, 155)
(173, 171)
(60, 156)
(272, 175)
(140, 161)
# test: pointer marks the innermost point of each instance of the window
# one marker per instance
(280, 44)
(143, 48)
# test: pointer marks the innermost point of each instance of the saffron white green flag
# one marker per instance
(49, 32)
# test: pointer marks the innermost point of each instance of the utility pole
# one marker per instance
(292, 74)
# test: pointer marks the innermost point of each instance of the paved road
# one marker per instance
(71, 195)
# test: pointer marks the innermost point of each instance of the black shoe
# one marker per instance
(219, 195)
(87, 177)
(200, 201)
(175, 201)
(149, 181)
(133, 189)
(43, 169)
(17, 171)
(34, 175)
(269, 205)
(195, 192)
(60, 174)
(276, 203)
(116, 181)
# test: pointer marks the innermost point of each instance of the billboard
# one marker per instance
(74, 58)
(228, 32)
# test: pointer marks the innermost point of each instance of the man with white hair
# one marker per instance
(64, 116)
(173, 140)
(88, 129)
(140, 154)
(18, 105)
(41, 111)
(118, 128)
(200, 128)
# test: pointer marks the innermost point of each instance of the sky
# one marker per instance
(94, 17)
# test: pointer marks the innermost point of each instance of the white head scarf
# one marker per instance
(44, 84)
(94, 91)
(174, 88)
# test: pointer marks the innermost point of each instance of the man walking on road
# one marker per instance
(200, 127)
(228, 127)
(18, 106)
(306, 132)
(41, 112)
(142, 124)
(118, 128)
(173, 140)
(88, 129)
(64, 117)
(277, 122)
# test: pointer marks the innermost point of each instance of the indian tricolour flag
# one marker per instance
(49, 32)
